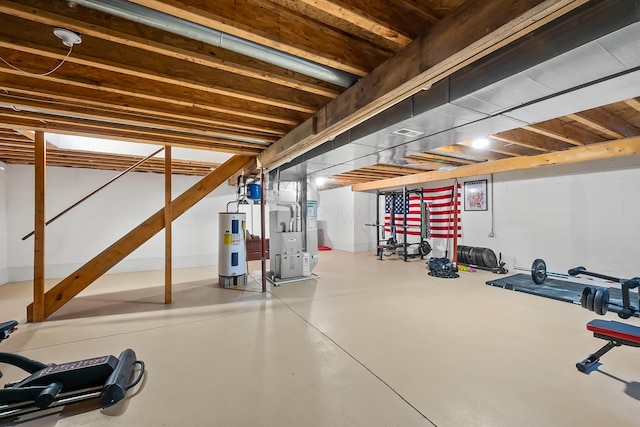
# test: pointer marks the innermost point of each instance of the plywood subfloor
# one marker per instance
(369, 343)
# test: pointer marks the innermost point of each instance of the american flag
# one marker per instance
(437, 202)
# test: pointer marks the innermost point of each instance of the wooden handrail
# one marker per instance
(124, 172)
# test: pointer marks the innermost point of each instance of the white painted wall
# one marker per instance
(565, 216)
(562, 214)
(336, 207)
(91, 227)
(346, 214)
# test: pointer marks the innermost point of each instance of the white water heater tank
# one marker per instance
(232, 253)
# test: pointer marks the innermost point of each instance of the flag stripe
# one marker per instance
(439, 203)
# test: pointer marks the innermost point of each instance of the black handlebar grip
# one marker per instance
(576, 270)
(115, 388)
(46, 396)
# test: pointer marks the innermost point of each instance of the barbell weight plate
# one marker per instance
(472, 255)
(601, 301)
(465, 255)
(539, 271)
(585, 294)
(459, 253)
(590, 299)
(425, 248)
(479, 257)
(489, 258)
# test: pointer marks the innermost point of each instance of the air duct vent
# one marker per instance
(407, 132)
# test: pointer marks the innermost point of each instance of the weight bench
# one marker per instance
(618, 334)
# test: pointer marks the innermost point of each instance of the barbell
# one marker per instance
(596, 299)
(539, 272)
(593, 298)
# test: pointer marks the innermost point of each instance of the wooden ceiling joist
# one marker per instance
(115, 36)
(154, 70)
(294, 36)
(532, 140)
(604, 150)
(472, 31)
(360, 18)
(606, 123)
(145, 103)
(566, 132)
(474, 153)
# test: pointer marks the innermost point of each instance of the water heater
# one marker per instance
(232, 254)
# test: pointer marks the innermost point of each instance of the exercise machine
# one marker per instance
(617, 334)
(52, 385)
(397, 205)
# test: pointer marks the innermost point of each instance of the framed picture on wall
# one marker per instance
(475, 195)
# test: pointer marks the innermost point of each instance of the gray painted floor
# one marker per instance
(369, 343)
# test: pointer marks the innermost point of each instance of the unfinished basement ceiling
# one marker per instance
(138, 79)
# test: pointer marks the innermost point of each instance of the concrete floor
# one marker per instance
(369, 343)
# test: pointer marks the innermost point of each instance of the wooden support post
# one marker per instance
(38, 244)
(454, 256)
(167, 226)
(263, 241)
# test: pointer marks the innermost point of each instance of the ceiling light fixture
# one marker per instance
(320, 181)
(69, 39)
(480, 143)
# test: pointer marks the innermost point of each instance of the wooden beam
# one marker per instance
(440, 158)
(474, 153)
(360, 19)
(295, 35)
(160, 72)
(168, 221)
(142, 102)
(38, 304)
(99, 129)
(473, 31)
(501, 147)
(531, 140)
(633, 103)
(64, 291)
(605, 122)
(566, 132)
(157, 123)
(604, 150)
(92, 29)
(249, 168)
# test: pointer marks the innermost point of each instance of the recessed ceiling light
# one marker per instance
(480, 143)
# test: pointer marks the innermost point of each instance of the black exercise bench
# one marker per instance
(618, 334)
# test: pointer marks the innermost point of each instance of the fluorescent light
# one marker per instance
(480, 143)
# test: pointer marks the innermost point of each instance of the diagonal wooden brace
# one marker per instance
(77, 281)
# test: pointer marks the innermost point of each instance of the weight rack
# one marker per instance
(391, 243)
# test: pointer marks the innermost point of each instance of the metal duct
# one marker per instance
(165, 22)
(586, 59)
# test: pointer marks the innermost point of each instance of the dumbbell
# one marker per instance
(596, 299)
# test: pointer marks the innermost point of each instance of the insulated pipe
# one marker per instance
(162, 21)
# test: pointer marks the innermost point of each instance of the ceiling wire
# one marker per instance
(37, 74)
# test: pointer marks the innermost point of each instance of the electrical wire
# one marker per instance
(36, 74)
